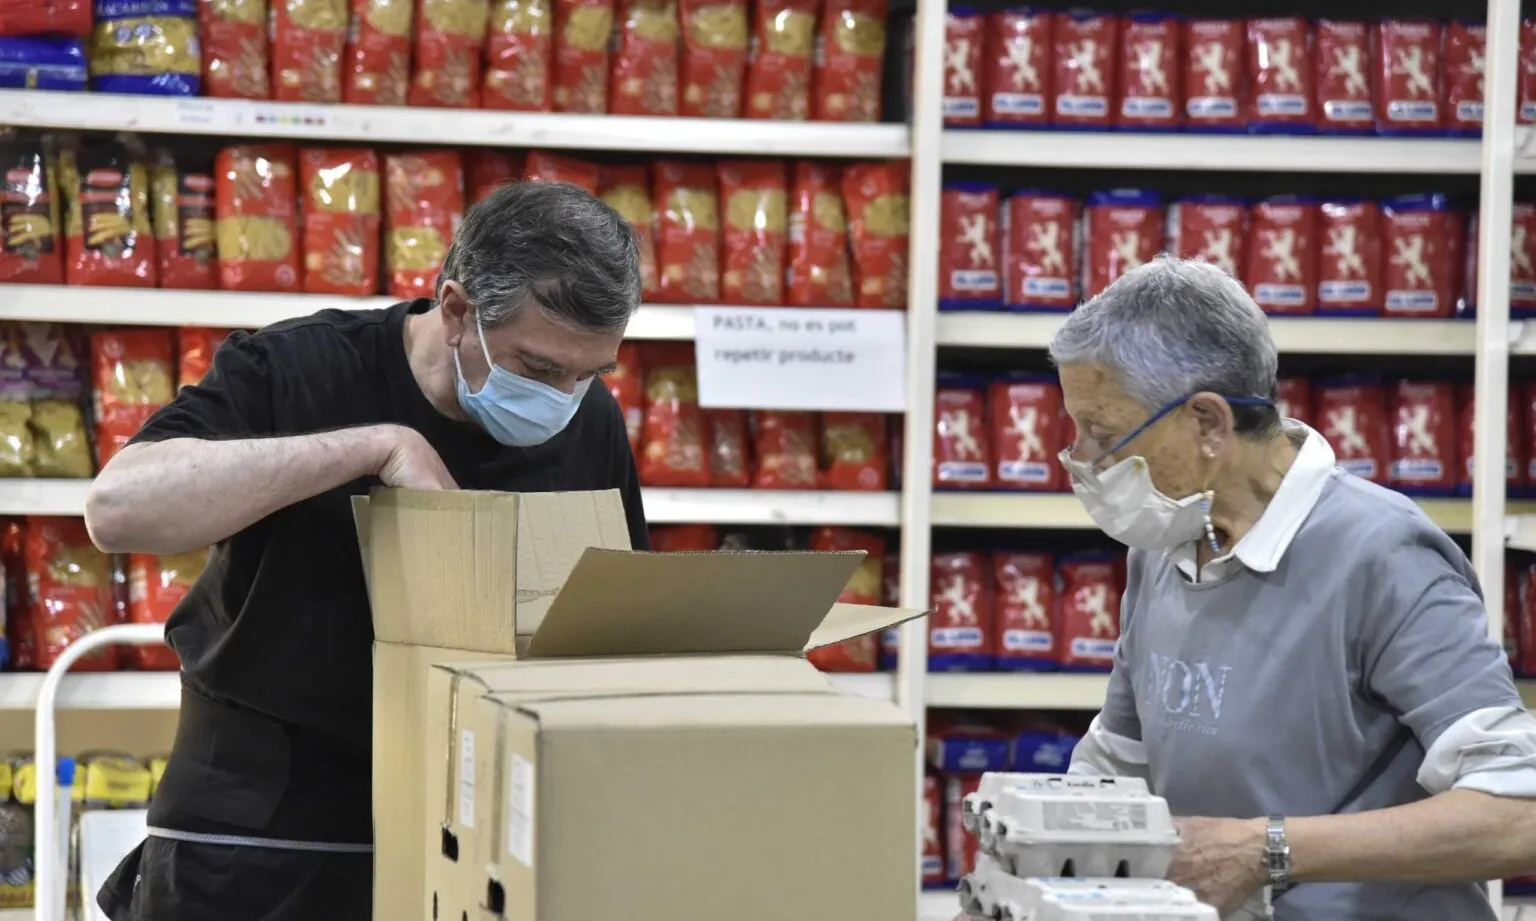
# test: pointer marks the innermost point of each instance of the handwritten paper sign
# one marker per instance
(797, 359)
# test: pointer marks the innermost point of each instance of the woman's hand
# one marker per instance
(1222, 860)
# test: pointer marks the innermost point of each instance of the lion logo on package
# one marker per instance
(1026, 597)
(1127, 249)
(1343, 431)
(1408, 254)
(1045, 241)
(957, 425)
(1093, 600)
(973, 233)
(1281, 253)
(954, 600)
(1519, 256)
(1020, 53)
(1022, 421)
(1347, 64)
(1149, 61)
(1218, 250)
(957, 59)
(1343, 245)
(1211, 65)
(1408, 63)
(1081, 54)
(1416, 427)
(1283, 59)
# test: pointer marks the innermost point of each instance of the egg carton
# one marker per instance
(990, 894)
(976, 804)
(1069, 831)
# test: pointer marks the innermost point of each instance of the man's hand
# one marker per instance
(1222, 860)
(411, 462)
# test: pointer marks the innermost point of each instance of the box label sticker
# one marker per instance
(799, 359)
(1087, 815)
(520, 812)
(467, 779)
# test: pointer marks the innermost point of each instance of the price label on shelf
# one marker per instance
(797, 359)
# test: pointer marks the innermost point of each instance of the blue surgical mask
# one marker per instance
(514, 410)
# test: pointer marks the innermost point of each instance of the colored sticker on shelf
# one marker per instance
(817, 360)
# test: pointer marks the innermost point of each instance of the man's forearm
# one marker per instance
(1455, 836)
(185, 493)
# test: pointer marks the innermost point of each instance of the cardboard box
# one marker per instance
(566, 730)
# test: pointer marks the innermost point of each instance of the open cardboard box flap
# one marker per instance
(550, 575)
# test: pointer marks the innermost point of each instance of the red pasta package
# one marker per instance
(1085, 68)
(256, 194)
(754, 204)
(449, 38)
(308, 37)
(1349, 263)
(1515, 437)
(1282, 255)
(1293, 399)
(962, 630)
(1123, 231)
(425, 198)
(235, 54)
(627, 384)
(1148, 93)
(685, 538)
(378, 63)
(133, 375)
(962, 451)
(964, 38)
(1018, 71)
(626, 189)
(1026, 609)
(1280, 64)
(69, 591)
(819, 275)
(1522, 258)
(196, 346)
(1040, 251)
(1210, 229)
(544, 166)
(968, 247)
(156, 585)
(714, 57)
(1352, 415)
(341, 221)
(1025, 412)
(785, 444)
(1421, 243)
(582, 30)
(1088, 613)
(182, 213)
(1213, 74)
(859, 654)
(1408, 77)
(779, 78)
(31, 232)
(1423, 415)
(1463, 83)
(1526, 79)
(853, 454)
(46, 17)
(109, 237)
(519, 56)
(674, 439)
(730, 465)
(485, 171)
(875, 195)
(850, 56)
(1341, 76)
(644, 71)
(688, 233)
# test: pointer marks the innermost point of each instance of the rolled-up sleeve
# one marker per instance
(1427, 655)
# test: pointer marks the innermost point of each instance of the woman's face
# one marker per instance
(1105, 414)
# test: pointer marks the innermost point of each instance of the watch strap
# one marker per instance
(1277, 855)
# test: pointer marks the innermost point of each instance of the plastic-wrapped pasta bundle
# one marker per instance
(234, 40)
(450, 39)
(853, 451)
(69, 591)
(487, 170)
(878, 210)
(860, 654)
(544, 166)
(257, 195)
(341, 221)
(786, 449)
(674, 438)
(518, 56)
(108, 238)
(688, 233)
(755, 197)
(818, 239)
(627, 384)
(582, 31)
(714, 57)
(645, 62)
(133, 375)
(424, 203)
(45, 17)
(148, 47)
(308, 38)
(31, 249)
(196, 346)
(783, 51)
(182, 209)
(53, 373)
(849, 61)
(730, 464)
(18, 450)
(626, 189)
(378, 70)
(156, 585)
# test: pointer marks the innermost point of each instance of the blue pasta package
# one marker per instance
(42, 64)
(146, 48)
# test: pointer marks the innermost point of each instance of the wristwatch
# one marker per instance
(1277, 855)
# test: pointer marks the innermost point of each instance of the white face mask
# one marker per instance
(1125, 505)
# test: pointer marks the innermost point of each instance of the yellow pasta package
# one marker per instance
(234, 40)
(181, 209)
(146, 47)
(849, 61)
(256, 199)
(308, 37)
(519, 53)
(755, 198)
(378, 69)
(582, 32)
(450, 35)
(714, 57)
(425, 198)
(645, 62)
(341, 221)
(108, 237)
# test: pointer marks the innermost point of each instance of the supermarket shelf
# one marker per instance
(1293, 335)
(938, 906)
(43, 497)
(1063, 511)
(1246, 153)
(877, 686)
(384, 124)
(96, 691)
(239, 310)
(766, 506)
(1017, 691)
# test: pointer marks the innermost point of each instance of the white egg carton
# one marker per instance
(990, 894)
(976, 804)
(1061, 830)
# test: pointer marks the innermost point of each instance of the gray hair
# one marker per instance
(552, 244)
(1170, 328)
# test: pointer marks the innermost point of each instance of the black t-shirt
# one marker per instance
(279, 624)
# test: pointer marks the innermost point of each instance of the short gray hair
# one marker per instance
(1170, 328)
(551, 243)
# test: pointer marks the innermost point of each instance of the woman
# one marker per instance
(1304, 656)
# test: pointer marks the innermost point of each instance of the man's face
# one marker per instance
(1105, 414)
(530, 345)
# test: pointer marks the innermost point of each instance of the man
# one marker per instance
(264, 811)
(1303, 670)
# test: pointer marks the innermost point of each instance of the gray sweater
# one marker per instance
(1313, 689)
